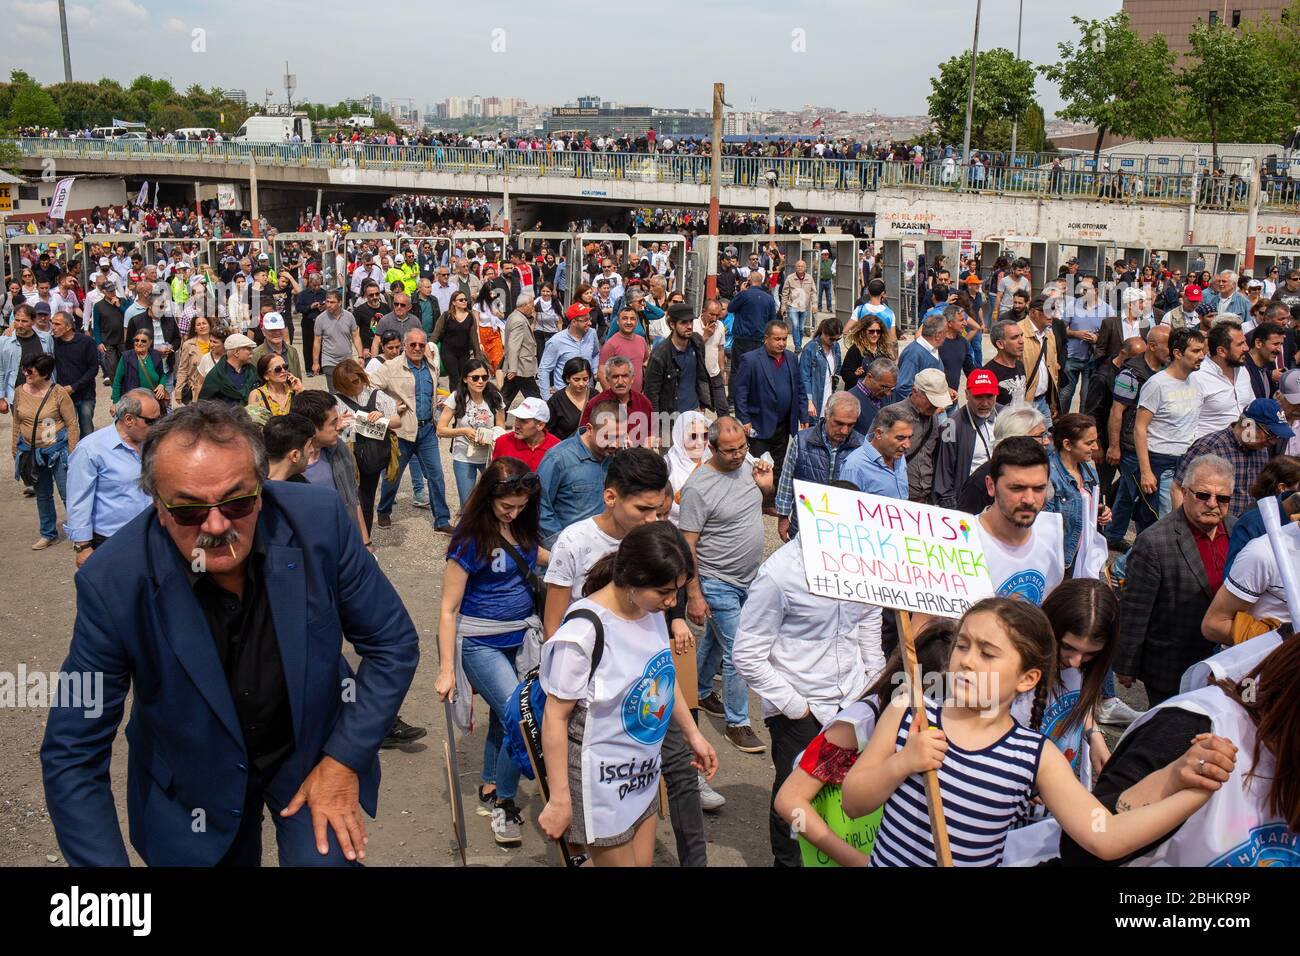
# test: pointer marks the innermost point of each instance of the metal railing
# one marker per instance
(836, 175)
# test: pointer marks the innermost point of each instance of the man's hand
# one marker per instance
(764, 476)
(1147, 481)
(783, 528)
(697, 609)
(1112, 455)
(331, 791)
(82, 556)
(4, 407)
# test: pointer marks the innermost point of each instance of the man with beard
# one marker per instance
(1023, 544)
(1222, 379)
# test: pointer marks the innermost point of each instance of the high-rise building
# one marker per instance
(1175, 18)
(239, 96)
(589, 102)
(735, 124)
(476, 105)
(455, 107)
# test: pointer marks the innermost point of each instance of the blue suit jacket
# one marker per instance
(754, 392)
(140, 625)
(915, 358)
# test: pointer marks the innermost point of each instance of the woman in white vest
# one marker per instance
(607, 710)
(1253, 817)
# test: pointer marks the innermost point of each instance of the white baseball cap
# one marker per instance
(273, 320)
(933, 385)
(104, 261)
(533, 408)
(239, 341)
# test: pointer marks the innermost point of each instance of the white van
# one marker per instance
(117, 132)
(197, 132)
(274, 129)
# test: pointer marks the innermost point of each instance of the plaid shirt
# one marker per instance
(1246, 465)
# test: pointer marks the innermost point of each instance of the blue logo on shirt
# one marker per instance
(1271, 845)
(1029, 585)
(648, 706)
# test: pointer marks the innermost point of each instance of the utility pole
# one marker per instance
(970, 93)
(63, 29)
(715, 180)
(1252, 216)
(1015, 127)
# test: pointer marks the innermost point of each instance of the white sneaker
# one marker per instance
(710, 800)
(1114, 711)
(505, 827)
(420, 502)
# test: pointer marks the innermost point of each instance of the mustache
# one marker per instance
(205, 540)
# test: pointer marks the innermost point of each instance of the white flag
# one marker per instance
(157, 187)
(59, 201)
(142, 196)
(1093, 549)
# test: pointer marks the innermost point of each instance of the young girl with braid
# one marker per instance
(989, 765)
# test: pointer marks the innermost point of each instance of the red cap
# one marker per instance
(577, 310)
(1192, 293)
(982, 382)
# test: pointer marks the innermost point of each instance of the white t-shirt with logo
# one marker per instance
(578, 547)
(1176, 408)
(1032, 570)
(1255, 578)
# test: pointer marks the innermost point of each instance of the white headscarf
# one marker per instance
(680, 465)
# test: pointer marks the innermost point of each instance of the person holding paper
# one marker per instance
(1074, 480)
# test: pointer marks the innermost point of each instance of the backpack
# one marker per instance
(525, 706)
(371, 453)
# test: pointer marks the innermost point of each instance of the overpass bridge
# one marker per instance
(1068, 208)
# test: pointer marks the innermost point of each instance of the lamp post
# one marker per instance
(970, 93)
(1015, 127)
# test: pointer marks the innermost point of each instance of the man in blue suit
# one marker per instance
(921, 353)
(224, 608)
(771, 402)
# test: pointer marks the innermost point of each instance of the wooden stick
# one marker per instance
(453, 785)
(938, 827)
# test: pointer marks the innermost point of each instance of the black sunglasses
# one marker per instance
(476, 378)
(527, 482)
(232, 508)
(1206, 496)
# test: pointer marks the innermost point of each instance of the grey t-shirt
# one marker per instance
(726, 510)
(1008, 287)
(392, 323)
(335, 336)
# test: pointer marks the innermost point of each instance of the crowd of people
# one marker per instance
(615, 453)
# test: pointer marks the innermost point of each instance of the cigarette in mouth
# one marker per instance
(232, 549)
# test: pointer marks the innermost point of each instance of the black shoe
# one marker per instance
(29, 492)
(712, 704)
(444, 529)
(385, 521)
(402, 733)
(1119, 547)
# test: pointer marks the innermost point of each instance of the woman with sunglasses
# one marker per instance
(197, 344)
(45, 429)
(689, 450)
(278, 387)
(468, 417)
(28, 287)
(142, 367)
(487, 606)
(871, 340)
(456, 334)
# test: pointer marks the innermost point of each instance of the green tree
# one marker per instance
(1004, 90)
(33, 106)
(1115, 80)
(1280, 41)
(1232, 91)
(81, 104)
(172, 116)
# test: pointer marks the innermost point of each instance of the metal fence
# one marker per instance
(837, 175)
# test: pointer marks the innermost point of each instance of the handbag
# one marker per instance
(27, 460)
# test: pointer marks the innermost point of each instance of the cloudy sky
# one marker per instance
(772, 54)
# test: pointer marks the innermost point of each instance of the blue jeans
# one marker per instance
(466, 474)
(424, 448)
(725, 601)
(797, 320)
(417, 479)
(1131, 501)
(825, 290)
(86, 415)
(1077, 373)
(47, 476)
(491, 671)
(1041, 404)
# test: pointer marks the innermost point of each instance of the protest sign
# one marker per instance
(891, 553)
(857, 832)
(453, 783)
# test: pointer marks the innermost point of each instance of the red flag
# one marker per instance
(817, 122)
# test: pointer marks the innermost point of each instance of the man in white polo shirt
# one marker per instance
(1223, 380)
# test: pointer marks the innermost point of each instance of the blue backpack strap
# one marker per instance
(598, 650)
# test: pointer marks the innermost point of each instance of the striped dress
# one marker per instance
(984, 792)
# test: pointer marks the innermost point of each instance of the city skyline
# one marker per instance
(503, 50)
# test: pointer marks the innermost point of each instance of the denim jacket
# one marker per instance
(1067, 500)
(812, 366)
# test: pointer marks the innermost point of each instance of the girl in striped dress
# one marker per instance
(989, 765)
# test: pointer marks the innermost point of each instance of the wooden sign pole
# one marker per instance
(937, 825)
(538, 761)
(453, 784)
